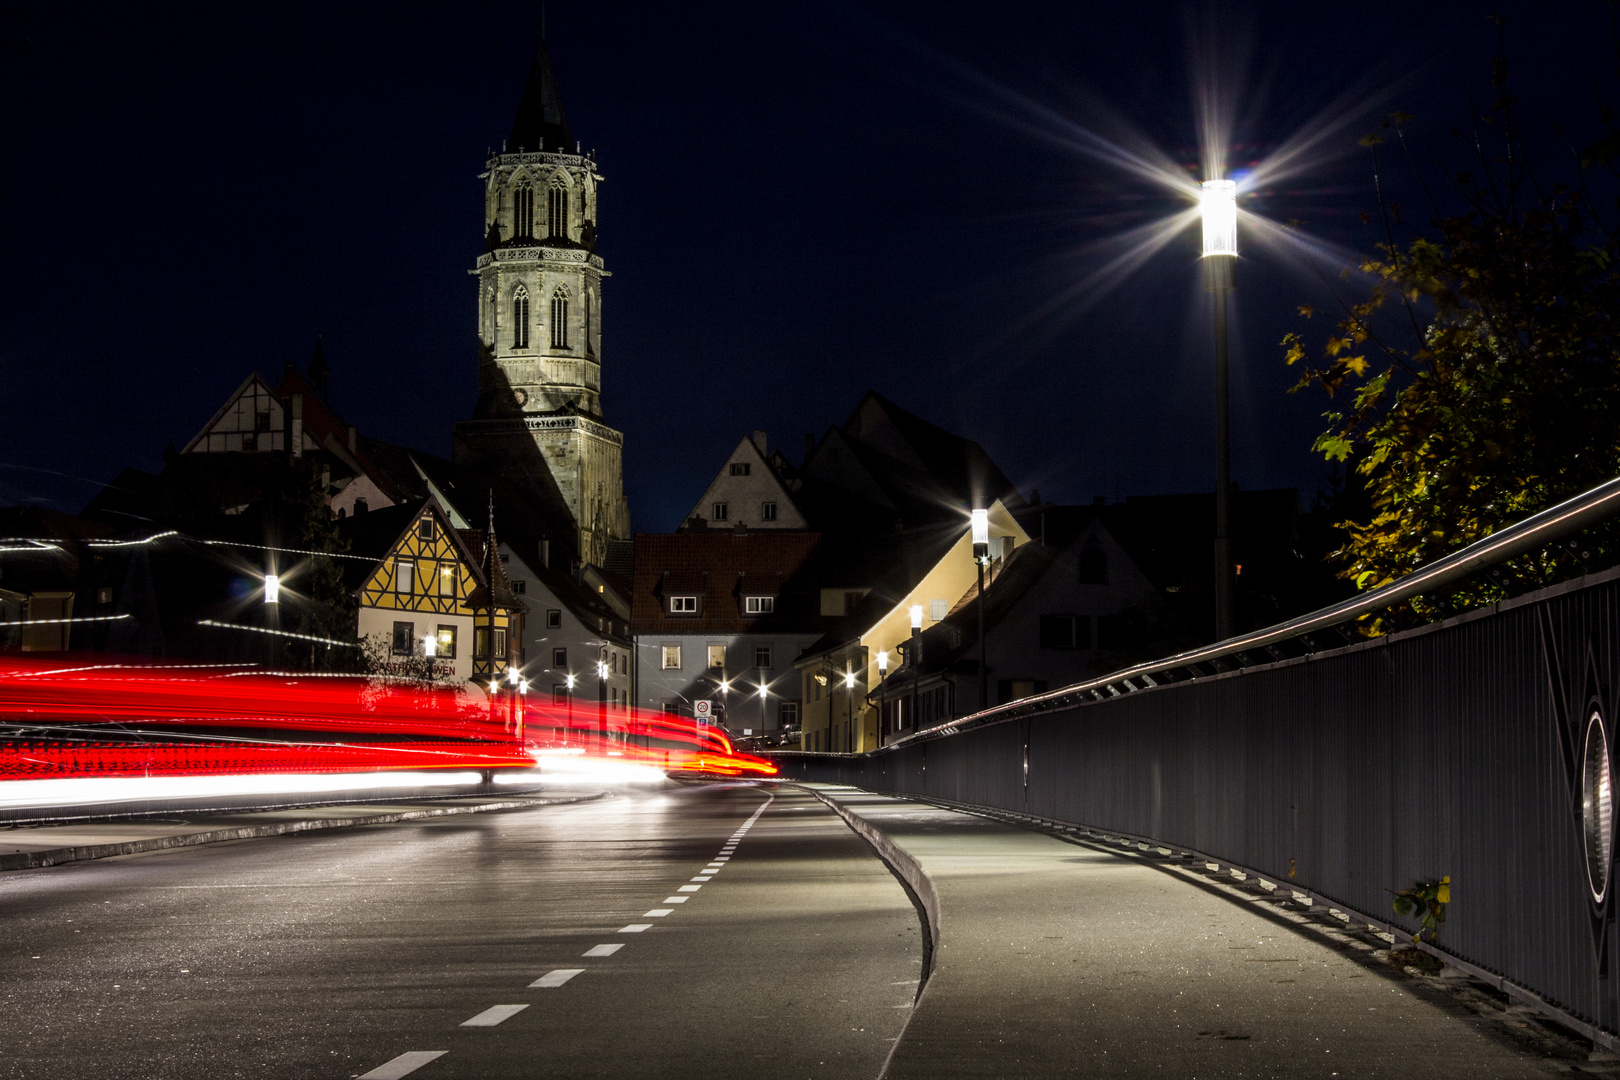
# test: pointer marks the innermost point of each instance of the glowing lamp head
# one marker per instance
(494, 687)
(916, 616)
(272, 588)
(1219, 207)
(981, 526)
(849, 680)
(883, 662)
(763, 691)
(523, 686)
(570, 682)
(512, 675)
(725, 686)
(430, 646)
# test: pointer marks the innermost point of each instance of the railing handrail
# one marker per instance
(1535, 531)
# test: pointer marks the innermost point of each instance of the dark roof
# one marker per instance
(541, 121)
(722, 567)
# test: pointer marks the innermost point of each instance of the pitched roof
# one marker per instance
(721, 568)
(541, 121)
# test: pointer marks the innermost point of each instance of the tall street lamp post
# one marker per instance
(849, 710)
(568, 684)
(1219, 206)
(913, 657)
(981, 559)
(601, 700)
(883, 700)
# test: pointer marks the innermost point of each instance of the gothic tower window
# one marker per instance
(559, 318)
(523, 210)
(590, 325)
(520, 318)
(557, 208)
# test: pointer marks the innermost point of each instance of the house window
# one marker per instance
(767, 511)
(559, 694)
(762, 657)
(590, 324)
(937, 609)
(553, 618)
(788, 714)
(559, 658)
(480, 643)
(672, 658)
(721, 511)
(1065, 632)
(404, 577)
(741, 468)
(717, 657)
(759, 605)
(1093, 566)
(447, 641)
(404, 638)
(424, 530)
(683, 605)
(672, 708)
(523, 210)
(559, 318)
(520, 318)
(520, 586)
(104, 595)
(447, 579)
(500, 644)
(557, 208)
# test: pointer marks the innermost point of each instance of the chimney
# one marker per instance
(759, 443)
(351, 438)
(545, 553)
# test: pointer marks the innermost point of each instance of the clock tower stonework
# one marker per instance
(538, 421)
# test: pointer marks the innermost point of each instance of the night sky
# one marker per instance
(803, 201)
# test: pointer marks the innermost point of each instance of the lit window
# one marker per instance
(741, 468)
(717, 657)
(762, 657)
(759, 605)
(557, 208)
(722, 511)
(559, 658)
(481, 643)
(500, 644)
(447, 641)
(672, 658)
(520, 318)
(404, 577)
(404, 638)
(523, 210)
(553, 618)
(683, 605)
(937, 609)
(447, 579)
(559, 318)
(767, 511)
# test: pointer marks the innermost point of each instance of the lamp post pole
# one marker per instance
(568, 684)
(1219, 205)
(601, 701)
(849, 710)
(914, 657)
(981, 558)
(883, 694)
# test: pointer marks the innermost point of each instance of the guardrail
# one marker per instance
(1533, 532)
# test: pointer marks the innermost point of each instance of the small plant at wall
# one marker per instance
(1427, 900)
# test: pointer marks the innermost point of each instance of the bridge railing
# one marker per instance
(1478, 748)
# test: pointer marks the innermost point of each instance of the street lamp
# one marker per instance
(568, 684)
(1219, 208)
(601, 699)
(764, 690)
(272, 614)
(883, 687)
(849, 709)
(981, 558)
(912, 658)
(272, 588)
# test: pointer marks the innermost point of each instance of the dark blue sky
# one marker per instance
(802, 201)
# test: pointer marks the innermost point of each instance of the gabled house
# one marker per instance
(575, 642)
(748, 491)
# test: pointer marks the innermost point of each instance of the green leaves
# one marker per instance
(1428, 901)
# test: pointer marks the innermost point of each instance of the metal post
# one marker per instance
(984, 669)
(1220, 284)
(916, 675)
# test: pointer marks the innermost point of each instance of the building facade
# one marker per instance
(539, 301)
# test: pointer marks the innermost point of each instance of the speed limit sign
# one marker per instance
(703, 711)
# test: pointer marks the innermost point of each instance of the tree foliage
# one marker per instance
(1476, 378)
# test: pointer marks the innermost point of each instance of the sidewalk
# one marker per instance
(1057, 958)
(30, 847)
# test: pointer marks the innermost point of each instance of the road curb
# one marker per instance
(34, 860)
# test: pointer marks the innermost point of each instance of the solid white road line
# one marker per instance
(657, 913)
(553, 979)
(403, 1065)
(494, 1015)
(604, 950)
(635, 928)
(689, 888)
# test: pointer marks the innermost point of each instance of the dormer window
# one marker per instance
(759, 605)
(767, 511)
(741, 468)
(683, 605)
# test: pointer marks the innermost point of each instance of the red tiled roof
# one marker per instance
(721, 567)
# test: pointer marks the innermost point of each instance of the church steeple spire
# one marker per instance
(540, 116)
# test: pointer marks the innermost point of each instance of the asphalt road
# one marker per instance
(367, 951)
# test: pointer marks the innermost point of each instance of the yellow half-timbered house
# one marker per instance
(426, 595)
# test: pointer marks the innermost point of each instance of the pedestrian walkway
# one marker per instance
(1056, 957)
(26, 847)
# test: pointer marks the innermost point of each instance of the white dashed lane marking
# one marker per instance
(688, 888)
(635, 928)
(494, 1015)
(553, 979)
(658, 913)
(703, 877)
(403, 1065)
(604, 950)
(676, 899)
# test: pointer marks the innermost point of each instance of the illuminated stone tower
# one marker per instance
(539, 324)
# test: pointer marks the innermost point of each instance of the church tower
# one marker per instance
(538, 420)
